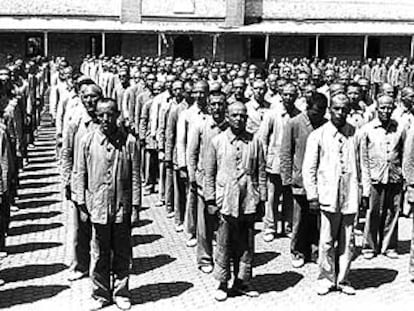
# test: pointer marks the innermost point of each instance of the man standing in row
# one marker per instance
(110, 191)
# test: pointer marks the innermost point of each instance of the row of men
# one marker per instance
(259, 160)
(22, 89)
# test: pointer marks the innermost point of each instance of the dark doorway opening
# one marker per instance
(183, 47)
(34, 45)
(312, 47)
(373, 50)
(95, 45)
(257, 48)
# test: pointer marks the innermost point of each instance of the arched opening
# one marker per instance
(183, 47)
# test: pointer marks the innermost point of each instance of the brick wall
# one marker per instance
(131, 11)
(173, 8)
(139, 45)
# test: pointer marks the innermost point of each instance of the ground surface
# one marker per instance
(164, 274)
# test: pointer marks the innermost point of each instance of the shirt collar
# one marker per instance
(231, 137)
(392, 126)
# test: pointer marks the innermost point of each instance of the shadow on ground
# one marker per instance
(371, 277)
(28, 294)
(30, 247)
(145, 264)
(29, 272)
(38, 195)
(33, 228)
(276, 282)
(145, 239)
(37, 204)
(35, 215)
(158, 291)
(263, 258)
(404, 247)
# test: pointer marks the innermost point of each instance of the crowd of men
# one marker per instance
(306, 147)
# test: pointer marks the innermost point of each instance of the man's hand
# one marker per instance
(183, 173)
(314, 206)
(365, 203)
(161, 155)
(212, 208)
(134, 216)
(260, 210)
(68, 193)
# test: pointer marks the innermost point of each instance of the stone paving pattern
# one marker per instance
(164, 275)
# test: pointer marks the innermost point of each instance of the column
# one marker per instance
(317, 46)
(103, 44)
(412, 47)
(45, 43)
(159, 45)
(267, 39)
(215, 38)
(365, 46)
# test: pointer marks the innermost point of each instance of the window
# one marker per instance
(184, 6)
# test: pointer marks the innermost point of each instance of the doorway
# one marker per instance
(183, 47)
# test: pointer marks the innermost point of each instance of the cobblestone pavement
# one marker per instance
(164, 273)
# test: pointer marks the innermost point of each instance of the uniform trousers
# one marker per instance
(235, 243)
(180, 185)
(82, 233)
(206, 225)
(381, 225)
(190, 221)
(336, 246)
(275, 190)
(169, 188)
(150, 167)
(4, 220)
(305, 229)
(111, 254)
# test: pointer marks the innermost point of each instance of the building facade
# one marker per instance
(229, 30)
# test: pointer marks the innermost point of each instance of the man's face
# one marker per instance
(385, 108)
(302, 80)
(123, 77)
(214, 73)
(408, 100)
(286, 73)
(178, 90)
(280, 85)
(107, 116)
(238, 90)
(339, 111)
(309, 90)
(89, 98)
(199, 94)
(329, 77)
(237, 117)
(389, 91)
(316, 113)
(289, 95)
(217, 107)
(354, 94)
(272, 83)
(259, 90)
(150, 80)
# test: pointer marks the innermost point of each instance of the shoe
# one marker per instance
(324, 288)
(268, 237)
(346, 289)
(179, 228)
(123, 303)
(206, 269)
(159, 203)
(191, 242)
(392, 254)
(14, 208)
(245, 289)
(97, 304)
(3, 254)
(368, 255)
(297, 261)
(170, 214)
(2, 282)
(221, 292)
(76, 275)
